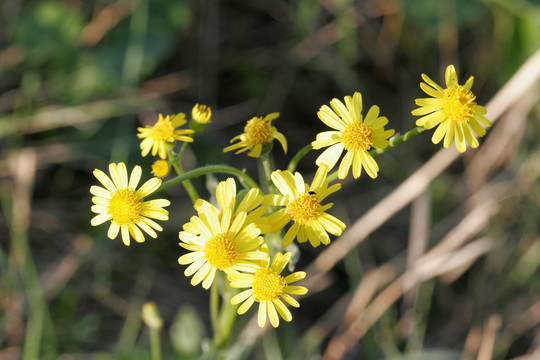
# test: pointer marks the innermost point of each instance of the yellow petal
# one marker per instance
(282, 310)
(261, 315)
(272, 314)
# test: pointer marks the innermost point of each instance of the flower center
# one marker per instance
(267, 285)
(124, 207)
(160, 168)
(458, 103)
(163, 130)
(258, 131)
(220, 252)
(304, 208)
(357, 136)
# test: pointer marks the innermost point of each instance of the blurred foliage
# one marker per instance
(78, 77)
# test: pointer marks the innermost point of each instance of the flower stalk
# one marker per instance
(244, 178)
(190, 189)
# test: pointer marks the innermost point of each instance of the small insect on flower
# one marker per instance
(266, 286)
(120, 203)
(257, 132)
(352, 134)
(453, 109)
(302, 206)
(163, 132)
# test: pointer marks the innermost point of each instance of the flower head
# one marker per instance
(201, 114)
(123, 205)
(302, 206)
(219, 243)
(162, 132)
(161, 168)
(454, 109)
(257, 132)
(266, 286)
(353, 134)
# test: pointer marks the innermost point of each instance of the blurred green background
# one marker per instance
(78, 77)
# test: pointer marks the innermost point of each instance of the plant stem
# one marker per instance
(227, 318)
(181, 151)
(299, 155)
(155, 346)
(266, 164)
(244, 178)
(214, 309)
(190, 189)
(399, 139)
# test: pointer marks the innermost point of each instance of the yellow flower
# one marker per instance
(201, 114)
(303, 206)
(162, 132)
(219, 243)
(257, 132)
(161, 168)
(454, 109)
(226, 199)
(123, 205)
(352, 134)
(266, 286)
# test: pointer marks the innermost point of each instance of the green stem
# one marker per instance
(266, 164)
(181, 151)
(244, 178)
(214, 309)
(332, 176)
(155, 346)
(227, 318)
(299, 155)
(399, 139)
(190, 189)
(392, 143)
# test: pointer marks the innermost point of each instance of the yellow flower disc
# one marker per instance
(357, 136)
(304, 208)
(220, 252)
(458, 103)
(258, 131)
(124, 207)
(267, 285)
(163, 130)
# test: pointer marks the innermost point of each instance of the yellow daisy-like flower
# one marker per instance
(162, 132)
(201, 114)
(267, 287)
(454, 109)
(161, 168)
(123, 205)
(219, 243)
(226, 199)
(303, 206)
(258, 131)
(352, 134)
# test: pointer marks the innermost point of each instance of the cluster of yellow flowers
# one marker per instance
(229, 236)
